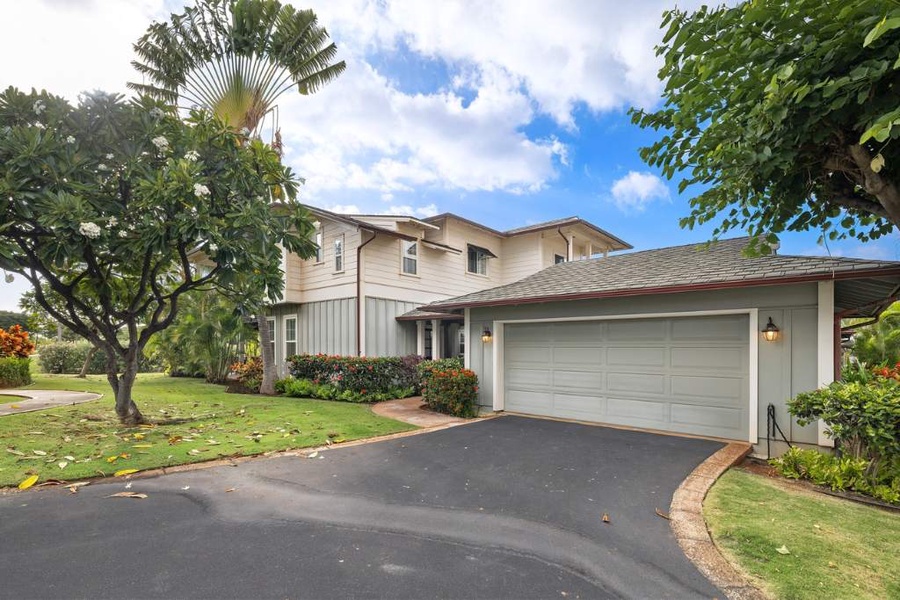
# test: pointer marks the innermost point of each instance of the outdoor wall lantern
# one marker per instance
(486, 336)
(771, 331)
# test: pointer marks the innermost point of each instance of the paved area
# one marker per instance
(40, 399)
(510, 507)
(412, 410)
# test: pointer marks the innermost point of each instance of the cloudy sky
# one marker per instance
(508, 112)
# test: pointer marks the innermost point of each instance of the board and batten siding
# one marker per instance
(785, 367)
(327, 327)
(385, 335)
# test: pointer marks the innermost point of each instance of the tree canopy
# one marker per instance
(106, 203)
(783, 116)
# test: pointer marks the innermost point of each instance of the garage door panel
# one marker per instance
(728, 389)
(579, 407)
(646, 329)
(575, 357)
(637, 383)
(593, 381)
(710, 417)
(530, 377)
(649, 357)
(529, 354)
(629, 408)
(577, 331)
(525, 331)
(718, 329)
(718, 358)
(538, 403)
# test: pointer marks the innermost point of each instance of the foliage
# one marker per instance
(15, 371)
(783, 114)
(452, 391)
(9, 318)
(40, 322)
(838, 549)
(856, 372)
(841, 473)
(195, 422)
(879, 343)
(863, 419)
(362, 374)
(15, 342)
(249, 373)
(427, 367)
(235, 57)
(69, 357)
(108, 202)
(306, 388)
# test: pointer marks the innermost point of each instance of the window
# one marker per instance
(409, 258)
(290, 337)
(339, 253)
(462, 341)
(558, 258)
(272, 336)
(477, 262)
(320, 245)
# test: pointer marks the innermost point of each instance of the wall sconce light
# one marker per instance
(486, 336)
(771, 331)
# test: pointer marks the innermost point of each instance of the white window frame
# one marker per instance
(483, 260)
(284, 339)
(405, 245)
(461, 341)
(319, 238)
(273, 334)
(339, 254)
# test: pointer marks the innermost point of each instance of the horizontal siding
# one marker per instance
(385, 336)
(521, 257)
(306, 275)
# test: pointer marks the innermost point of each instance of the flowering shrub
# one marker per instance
(427, 367)
(14, 371)
(249, 373)
(360, 374)
(452, 391)
(14, 342)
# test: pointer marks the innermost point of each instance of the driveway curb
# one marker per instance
(689, 526)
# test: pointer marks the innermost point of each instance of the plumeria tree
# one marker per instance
(114, 206)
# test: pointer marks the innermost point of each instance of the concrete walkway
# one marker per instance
(40, 399)
(413, 411)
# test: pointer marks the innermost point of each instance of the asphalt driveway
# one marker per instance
(504, 508)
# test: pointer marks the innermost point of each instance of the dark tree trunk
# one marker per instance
(126, 409)
(87, 362)
(268, 359)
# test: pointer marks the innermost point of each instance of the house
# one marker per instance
(675, 339)
(359, 294)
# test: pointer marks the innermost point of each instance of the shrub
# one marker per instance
(69, 357)
(453, 391)
(15, 371)
(14, 342)
(249, 373)
(306, 388)
(357, 373)
(426, 367)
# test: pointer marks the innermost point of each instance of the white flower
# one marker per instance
(200, 190)
(112, 222)
(39, 107)
(161, 143)
(110, 156)
(70, 139)
(89, 230)
(156, 113)
(213, 247)
(131, 227)
(102, 167)
(191, 155)
(122, 233)
(39, 125)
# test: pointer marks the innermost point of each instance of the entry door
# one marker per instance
(686, 374)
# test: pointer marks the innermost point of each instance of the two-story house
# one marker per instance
(359, 294)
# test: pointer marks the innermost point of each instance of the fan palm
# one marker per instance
(235, 58)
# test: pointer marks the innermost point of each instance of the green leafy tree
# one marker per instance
(784, 114)
(879, 343)
(107, 201)
(9, 318)
(236, 57)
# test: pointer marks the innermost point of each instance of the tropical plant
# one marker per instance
(783, 113)
(236, 57)
(879, 343)
(107, 202)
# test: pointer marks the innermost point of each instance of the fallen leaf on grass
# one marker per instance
(142, 446)
(782, 550)
(62, 464)
(175, 439)
(30, 481)
(70, 458)
(605, 518)
(16, 452)
(40, 452)
(137, 495)
(123, 472)
(138, 436)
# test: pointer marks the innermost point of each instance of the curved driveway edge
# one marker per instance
(690, 530)
(40, 399)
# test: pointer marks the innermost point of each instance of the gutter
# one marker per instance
(566, 240)
(359, 298)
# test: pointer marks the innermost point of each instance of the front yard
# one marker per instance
(800, 544)
(196, 422)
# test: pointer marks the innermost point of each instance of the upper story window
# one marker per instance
(320, 243)
(477, 260)
(339, 253)
(409, 257)
(558, 258)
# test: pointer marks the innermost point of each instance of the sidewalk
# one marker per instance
(410, 410)
(40, 399)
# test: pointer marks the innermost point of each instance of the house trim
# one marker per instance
(284, 340)
(825, 345)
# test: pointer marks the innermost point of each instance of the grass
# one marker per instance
(86, 440)
(838, 549)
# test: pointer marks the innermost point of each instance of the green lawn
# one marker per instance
(86, 440)
(838, 549)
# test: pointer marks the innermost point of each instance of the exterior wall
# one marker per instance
(309, 281)
(385, 335)
(521, 256)
(785, 367)
(327, 327)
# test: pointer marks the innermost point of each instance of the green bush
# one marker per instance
(427, 367)
(357, 373)
(14, 372)
(249, 374)
(69, 357)
(840, 473)
(452, 391)
(306, 388)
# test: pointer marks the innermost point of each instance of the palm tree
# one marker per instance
(235, 58)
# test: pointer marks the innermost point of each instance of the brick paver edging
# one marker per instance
(689, 526)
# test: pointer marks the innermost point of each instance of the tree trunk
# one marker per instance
(87, 362)
(126, 409)
(268, 359)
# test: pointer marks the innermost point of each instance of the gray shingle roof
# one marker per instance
(677, 268)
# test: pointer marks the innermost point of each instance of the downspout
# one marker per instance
(359, 298)
(566, 240)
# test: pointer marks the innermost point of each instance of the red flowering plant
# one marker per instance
(14, 342)
(452, 391)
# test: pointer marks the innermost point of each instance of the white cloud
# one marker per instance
(344, 209)
(635, 191)
(422, 211)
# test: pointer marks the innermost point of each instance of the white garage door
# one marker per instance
(686, 374)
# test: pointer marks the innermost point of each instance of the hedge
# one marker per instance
(68, 357)
(356, 373)
(15, 372)
(453, 391)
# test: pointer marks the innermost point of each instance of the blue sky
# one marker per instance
(508, 112)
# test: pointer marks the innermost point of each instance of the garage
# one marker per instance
(686, 375)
